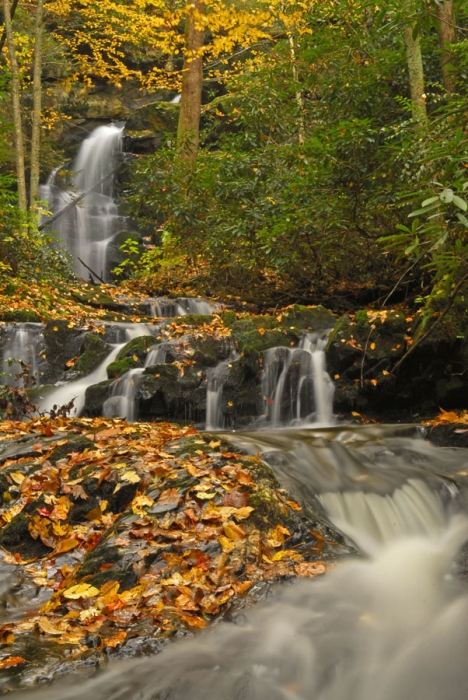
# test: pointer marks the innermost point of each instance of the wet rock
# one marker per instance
(93, 351)
(62, 342)
(132, 355)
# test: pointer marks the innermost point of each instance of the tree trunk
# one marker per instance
(188, 133)
(414, 60)
(16, 96)
(37, 107)
(299, 96)
(12, 14)
(447, 36)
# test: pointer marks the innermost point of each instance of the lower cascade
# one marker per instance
(295, 383)
(390, 626)
(21, 343)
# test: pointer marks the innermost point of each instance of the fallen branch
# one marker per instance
(76, 201)
(91, 271)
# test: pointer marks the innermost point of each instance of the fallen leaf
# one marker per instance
(11, 661)
(82, 590)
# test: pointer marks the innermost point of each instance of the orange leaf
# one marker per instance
(11, 661)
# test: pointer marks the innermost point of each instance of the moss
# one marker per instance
(154, 117)
(93, 352)
(20, 316)
(76, 444)
(229, 318)
(15, 537)
(362, 319)
(251, 323)
(138, 347)
(119, 367)
(208, 351)
(309, 317)
(195, 319)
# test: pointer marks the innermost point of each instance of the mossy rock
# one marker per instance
(137, 347)
(19, 316)
(229, 318)
(93, 352)
(95, 398)
(98, 300)
(252, 344)
(155, 117)
(16, 538)
(252, 323)
(196, 319)
(209, 351)
(80, 443)
(316, 318)
(62, 343)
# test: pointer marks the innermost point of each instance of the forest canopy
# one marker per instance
(320, 147)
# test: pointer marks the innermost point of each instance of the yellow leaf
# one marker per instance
(17, 477)
(286, 553)
(233, 531)
(214, 444)
(65, 546)
(82, 590)
(130, 476)
(243, 513)
(205, 496)
(226, 544)
(372, 346)
(48, 628)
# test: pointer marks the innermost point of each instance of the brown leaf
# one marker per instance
(236, 499)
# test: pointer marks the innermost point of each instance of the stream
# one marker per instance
(389, 623)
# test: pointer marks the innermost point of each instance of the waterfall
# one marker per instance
(169, 308)
(21, 342)
(122, 403)
(86, 229)
(292, 377)
(77, 389)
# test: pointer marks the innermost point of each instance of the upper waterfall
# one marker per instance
(86, 228)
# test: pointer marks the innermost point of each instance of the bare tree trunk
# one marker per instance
(299, 96)
(414, 60)
(37, 107)
(12, 15)
(188, 133)
(16, 96)
(447, 36)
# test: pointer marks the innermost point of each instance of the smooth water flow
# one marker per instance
(77, 390)
(295, 383)
(169, 308)
(123, 400)
(21, 341)
(389, 627)
(217, 377)
(85, 229)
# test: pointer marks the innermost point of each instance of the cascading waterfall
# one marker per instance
(85, 229)
(77, 389)
(169, 308)
(389, 627)
(217, 377)
(295, 383)
(21, 341)
(122, 402)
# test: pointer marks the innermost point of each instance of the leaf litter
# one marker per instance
(139, 529)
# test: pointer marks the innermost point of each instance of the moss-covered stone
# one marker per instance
(155, 117)
(196, 319)
(16, 538)
(137, 347)
(93, 352)
(95, 397)
(252, 323)
(316, 318)
(19, 316)
(80, 443)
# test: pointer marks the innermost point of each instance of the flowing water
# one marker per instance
(123, 400)
(388, 626)
(86, 229)
(295, 383)
(77, 390)
(21, 341)
(169, 308)
(217, 377)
